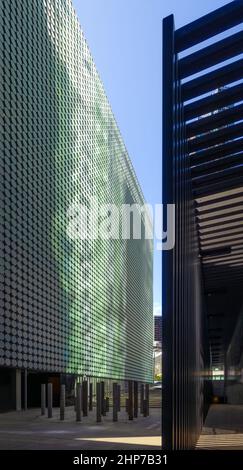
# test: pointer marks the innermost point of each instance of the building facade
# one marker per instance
(158, 328)
(69, 304)
(157, 347)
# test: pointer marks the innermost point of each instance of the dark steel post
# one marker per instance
(145, 408)
(103, 412)
(147, 398)
(62, 402)
(78, 402)
(130, 400)
(25, 389)
(118, 397)
(90, 397)
(43, 399)
(98, 402)
(85, 397)
(115, 402)
(49, 399)
(225, 377)
(141, 398)
(135, 389)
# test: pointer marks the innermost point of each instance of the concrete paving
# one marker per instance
(223, 428)
(28, 430)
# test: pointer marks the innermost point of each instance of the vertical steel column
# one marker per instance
(18, 404)
(145, 408)
(130, 400)
(179, 264)
(167, 256)
(225, 377)
(102, 384)
(90, 396)
(141, 397)
(49, 399)
(78, 402)
(98, 402)
(25, 389)
(85, 397)
(43, 399)
(135, 389)
(118, 397)
(74, 394)
(62, 402)
(115, 402)
(147, 398)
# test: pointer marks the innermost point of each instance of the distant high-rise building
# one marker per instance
(158, 328)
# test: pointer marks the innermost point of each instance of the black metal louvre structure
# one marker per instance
(203, 177)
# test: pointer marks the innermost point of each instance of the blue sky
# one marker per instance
(124, 37)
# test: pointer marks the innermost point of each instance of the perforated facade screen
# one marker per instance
(67, 305)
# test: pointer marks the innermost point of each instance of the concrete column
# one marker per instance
(62, 402)
(43, 399)
(25, 390)
(49, 399)
(141, 398)
(115, 402)
(130, 400)
(98, 402)
(85, 397)
(90, 396)
(135, 404)
(107, 404)
(18, 403)
(78, 401)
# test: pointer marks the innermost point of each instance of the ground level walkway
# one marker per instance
(223, 428)
(29, 430)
